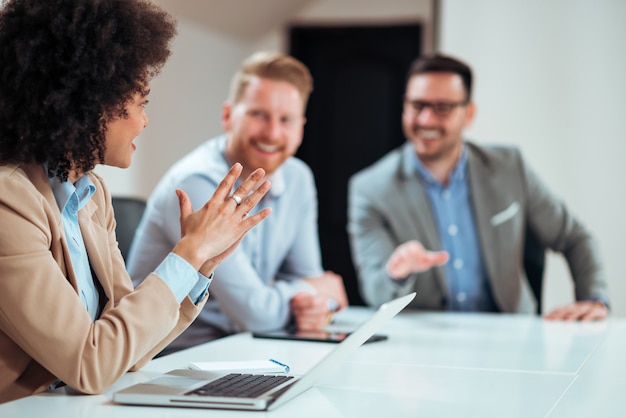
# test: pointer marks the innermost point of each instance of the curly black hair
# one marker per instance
(68, 68)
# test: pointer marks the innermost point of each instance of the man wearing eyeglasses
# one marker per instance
(447, 218)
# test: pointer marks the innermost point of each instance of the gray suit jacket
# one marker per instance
(388, 205)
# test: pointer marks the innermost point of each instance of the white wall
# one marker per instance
(551, 78)
(185, 106)
(214, 36)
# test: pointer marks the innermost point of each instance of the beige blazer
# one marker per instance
(388, 205)
(45, 330)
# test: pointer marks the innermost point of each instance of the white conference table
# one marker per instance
(432, 365)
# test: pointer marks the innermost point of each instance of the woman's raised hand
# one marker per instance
(211, 233)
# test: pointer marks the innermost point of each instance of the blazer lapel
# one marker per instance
(416, 193)
(484, 206)
(419, 202)
(39, 178)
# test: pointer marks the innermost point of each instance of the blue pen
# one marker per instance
(281, 364)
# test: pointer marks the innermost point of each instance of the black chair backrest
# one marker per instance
(534, 264)
(128, 212)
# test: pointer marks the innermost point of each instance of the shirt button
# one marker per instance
(458, 263)
(452, 230)
(461, 296)
(446, 194)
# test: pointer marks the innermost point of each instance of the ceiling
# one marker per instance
(244, 19)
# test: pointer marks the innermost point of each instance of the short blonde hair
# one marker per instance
(273, 66)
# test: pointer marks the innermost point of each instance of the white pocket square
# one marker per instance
(505, 215)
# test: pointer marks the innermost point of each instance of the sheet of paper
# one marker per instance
(247, 366)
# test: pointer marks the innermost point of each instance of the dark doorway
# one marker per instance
(353, 117)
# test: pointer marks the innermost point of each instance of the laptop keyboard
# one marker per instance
(240, 385)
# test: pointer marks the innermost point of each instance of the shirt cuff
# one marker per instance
(182, 278)
(399, 282)
(599, 299)
(201, 288)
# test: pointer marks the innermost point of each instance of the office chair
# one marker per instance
(534, 264)
(128, 212)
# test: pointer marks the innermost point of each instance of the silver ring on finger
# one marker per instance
(237, 199)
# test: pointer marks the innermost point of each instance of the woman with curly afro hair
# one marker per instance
(74, 81)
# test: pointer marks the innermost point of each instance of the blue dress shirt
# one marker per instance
(176, 272)
(70, 199)
(468, 286)
(255, 283)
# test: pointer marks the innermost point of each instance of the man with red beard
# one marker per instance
(447, 218)
(275, 278)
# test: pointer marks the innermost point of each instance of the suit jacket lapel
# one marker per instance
(39, 178)
(484, 206)
(419, 202)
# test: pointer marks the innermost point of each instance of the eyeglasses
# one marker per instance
(441, 109)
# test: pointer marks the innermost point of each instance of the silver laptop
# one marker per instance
(192, 388)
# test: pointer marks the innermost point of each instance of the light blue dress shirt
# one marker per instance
(468, 286)
(253, 286)
(177, 273)
(70, 199)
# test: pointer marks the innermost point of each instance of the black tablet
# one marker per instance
(319, 336)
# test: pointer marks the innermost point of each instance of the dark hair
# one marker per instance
(68, 67)
(439, 63)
